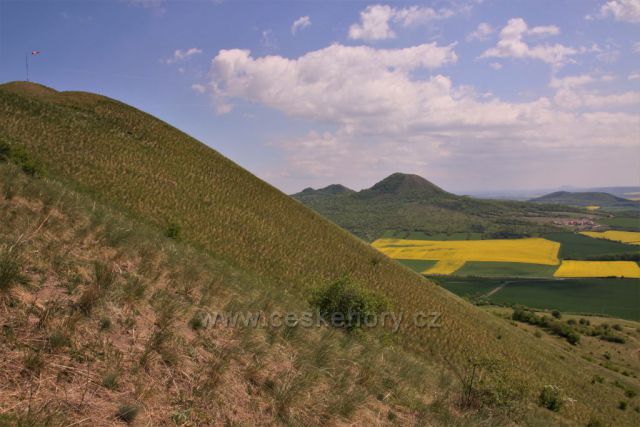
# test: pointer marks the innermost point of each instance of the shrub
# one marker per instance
(5, 151)
(173, 231)
(622, 405)
(9, 270)
(556, 314)
(127, 413)
(346, 304)
(551, 398)
(613, 338)
(110, 380)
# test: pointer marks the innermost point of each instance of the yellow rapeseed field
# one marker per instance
(628, 269)
(530, 250)
(592, 208)
(631, 237)
(445, 267)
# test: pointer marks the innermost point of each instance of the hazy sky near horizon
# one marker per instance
(470, 94)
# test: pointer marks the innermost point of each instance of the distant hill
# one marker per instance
(134, 230)
(628, 192)
(604, 200)
(405, 202)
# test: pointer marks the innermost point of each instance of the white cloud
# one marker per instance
(571, 93)
(389, 110)
(512, 45)
(636, 47)
(180, 55)
(332, 83)
(634, 76)
(199, 88)
(622, 10)
(495, 65)
(483, 32)
(375, 20)
(300, 24)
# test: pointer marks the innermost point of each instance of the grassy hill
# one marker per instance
(259, 248)
(603, 200)
(411, 204)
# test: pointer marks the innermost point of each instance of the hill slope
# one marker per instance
(403, 202)
(604, 200)
(131, 161)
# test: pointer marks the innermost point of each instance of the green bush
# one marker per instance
(551, 398)
(127, 413)
(346, 304)
(173, 231)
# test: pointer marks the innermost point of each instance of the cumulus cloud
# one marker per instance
(622, 10)
(572, 93)
(300, 24)
(181, 55)
(513, 45)
(395, 109)
(483, 32)
(376, 20)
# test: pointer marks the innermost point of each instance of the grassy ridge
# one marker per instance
(128, 159)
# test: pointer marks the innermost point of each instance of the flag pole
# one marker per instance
(26, 61)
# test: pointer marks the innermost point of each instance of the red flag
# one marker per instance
(35, 52)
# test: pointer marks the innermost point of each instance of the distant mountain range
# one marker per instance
(590, 198)
(405, 202)
(627, 192)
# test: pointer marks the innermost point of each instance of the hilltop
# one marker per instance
(603, 200)
(130, 228)
(406, 203)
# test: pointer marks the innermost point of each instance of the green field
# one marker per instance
(417, 265)
(623, 223)
(419, 235)
(611, 297)
(578, 246)
(505, 269)
(467, 287)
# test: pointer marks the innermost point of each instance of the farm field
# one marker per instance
(417, 265)
(570, 268)
(578, 246)
(530, 250)
(445, 267)
(628, 223)
(630, 237)
(505, 269)
(610, 297)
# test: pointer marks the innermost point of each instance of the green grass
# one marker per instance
(623, 223)
(611, 297)
(417, 265)
(578, 246)
(505, 269)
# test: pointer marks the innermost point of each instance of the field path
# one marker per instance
(497, 289)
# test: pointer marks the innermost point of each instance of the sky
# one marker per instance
(473, 95)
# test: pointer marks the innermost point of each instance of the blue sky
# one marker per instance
(473, 95)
